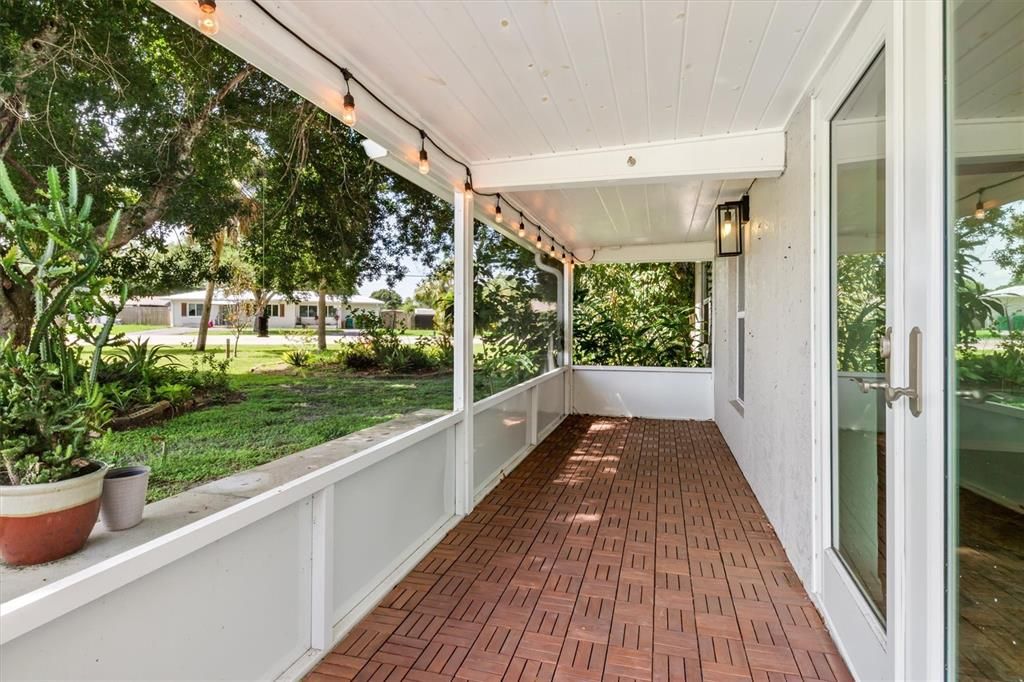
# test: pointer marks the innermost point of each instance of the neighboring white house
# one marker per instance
(282, 312)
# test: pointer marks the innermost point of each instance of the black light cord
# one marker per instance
(424, 135)
(988, 187)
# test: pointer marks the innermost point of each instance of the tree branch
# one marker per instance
(153, 205)
(35, 52)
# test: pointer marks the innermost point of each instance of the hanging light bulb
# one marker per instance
(540, 241)
(497, 210)
(727, 225)
(564, 257)
(522, 226)
(552, 248)
(207, 21)
(979, 209)
(424, 161)
(348, 108)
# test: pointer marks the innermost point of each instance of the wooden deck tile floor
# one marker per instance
(619, 549)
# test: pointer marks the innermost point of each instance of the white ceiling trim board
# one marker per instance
(654, 253)
(738, 155)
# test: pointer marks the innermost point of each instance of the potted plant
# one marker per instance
(51, 407)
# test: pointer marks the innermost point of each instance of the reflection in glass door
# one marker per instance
(985, 129)
(859, 322)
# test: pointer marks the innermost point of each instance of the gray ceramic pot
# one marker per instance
(124, 496)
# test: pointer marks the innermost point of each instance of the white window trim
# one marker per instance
(741, 314)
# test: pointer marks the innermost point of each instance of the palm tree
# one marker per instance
(240, 225)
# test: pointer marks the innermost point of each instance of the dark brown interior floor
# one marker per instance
(991, 555)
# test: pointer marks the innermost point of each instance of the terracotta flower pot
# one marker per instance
(124, 497)
(46, 521)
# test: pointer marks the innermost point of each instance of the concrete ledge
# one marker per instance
(180, 510)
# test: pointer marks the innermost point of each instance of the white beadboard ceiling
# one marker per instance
(989, 56)
(500, 80)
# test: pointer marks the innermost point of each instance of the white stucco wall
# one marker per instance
(179, 320)
(772, 437)
(285, 321)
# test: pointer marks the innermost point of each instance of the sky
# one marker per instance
(405, 287)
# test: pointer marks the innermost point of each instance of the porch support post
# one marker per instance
(463, 399)
(567, 287)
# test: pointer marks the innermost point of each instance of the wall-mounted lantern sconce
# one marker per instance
(732, 217)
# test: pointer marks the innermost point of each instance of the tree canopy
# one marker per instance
(187, 139)
(636, 314)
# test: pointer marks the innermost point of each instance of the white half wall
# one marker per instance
(651, 392)
(770, 435)
(507, 425)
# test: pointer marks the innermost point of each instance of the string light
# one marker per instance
(348, 117)
(424, 161)
(207, 21)
(348, 109)
(979, 209)
(980, 212)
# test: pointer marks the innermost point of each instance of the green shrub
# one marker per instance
(504, 362)
(359, 356)
(410, 358)
(297, 357)
(123, 399)
(207, 373)
(438, 349)
(138, 364)
(175, 394)
(1002, 370)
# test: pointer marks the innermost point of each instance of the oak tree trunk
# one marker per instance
(204, 320)
(321, 319)
(16, 312)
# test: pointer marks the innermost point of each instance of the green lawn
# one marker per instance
(282, 413)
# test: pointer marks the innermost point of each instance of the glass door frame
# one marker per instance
(912, 644)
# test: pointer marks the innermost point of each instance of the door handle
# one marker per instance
(912, 392)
